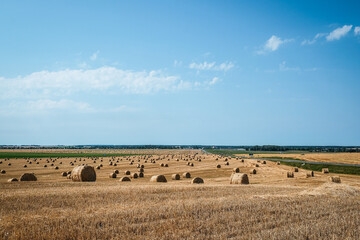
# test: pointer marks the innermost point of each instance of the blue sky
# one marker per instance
(180, 72)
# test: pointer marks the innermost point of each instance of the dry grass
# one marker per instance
(107, 211)
(270, 207)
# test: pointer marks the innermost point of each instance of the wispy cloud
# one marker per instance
(202, 66)
(273, 44)
(312, 41)
(357, 31)
(63, 104)
(339, 33)
(225, 66)
(39, 106)
(109, 80)
(214, 81)
(94, 56)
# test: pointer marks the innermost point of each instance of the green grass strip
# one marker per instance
(332, 168)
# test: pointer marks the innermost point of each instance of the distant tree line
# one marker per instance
(247, 148)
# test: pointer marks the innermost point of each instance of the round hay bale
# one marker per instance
(277, 163)
(175, 176)
(161, 164)
(236, 170)
(116, 171)
(296, 169)
(239, 178)
(125, 179)
(141, 174)
(335, 179)
(98, 167)
(264, 162)
(257, 165)
(166, 165)
(13, 180)
(3, 171)
(9, 164)
(45, 165)
(197, 180)
(158, 178)
(64, 174)
(25, 166)
(83, 174)
(290, 174)
(28, 177)
(325, 170)
(186, 175)
(191, 164)
(218, 166)
(56, 168)
(227, 163)
(141, 170)
(127, 172)
(112, 175)
(134, 175)
(253, 171)
(68, 176)
(242, 160)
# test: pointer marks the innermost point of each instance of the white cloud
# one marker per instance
(338, 33)
(225, 66)
(109, 80)
(357, 31)
(202, 66)
(309, 42)
(273, 44)
(94, 56)
(214, 80)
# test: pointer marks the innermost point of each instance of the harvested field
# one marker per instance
(272, 206)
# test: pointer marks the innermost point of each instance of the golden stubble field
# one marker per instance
(272, 206)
